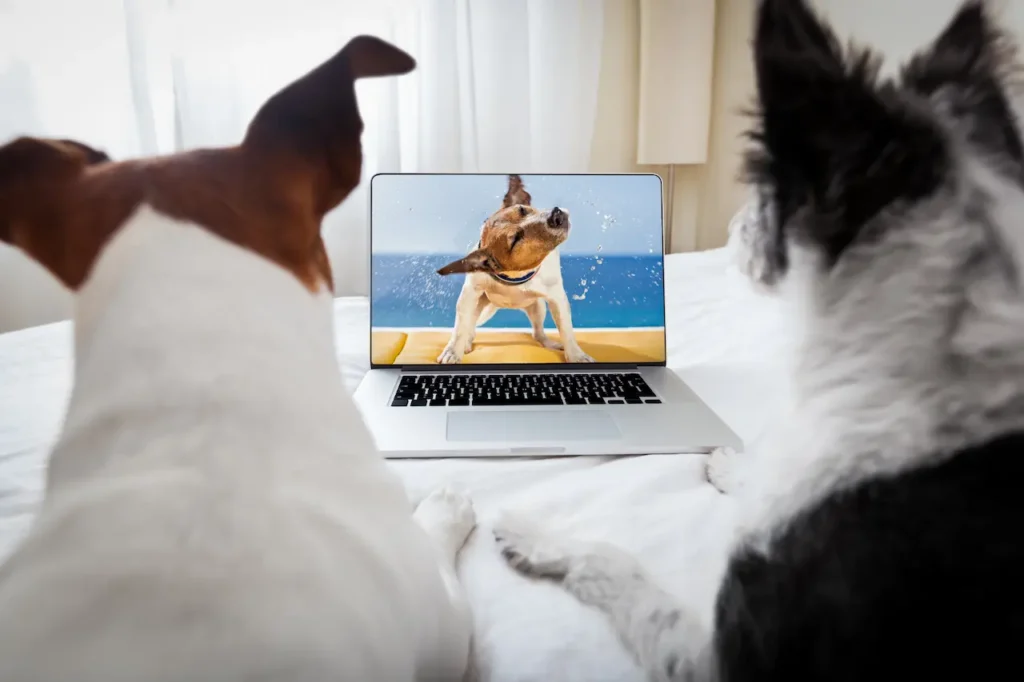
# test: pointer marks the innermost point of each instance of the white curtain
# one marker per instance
(500, 86)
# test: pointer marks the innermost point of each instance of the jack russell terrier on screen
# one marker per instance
(215, 508)
(516, 265)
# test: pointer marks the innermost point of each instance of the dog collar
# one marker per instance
(514, 280)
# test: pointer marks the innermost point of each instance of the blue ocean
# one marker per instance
(618, 291)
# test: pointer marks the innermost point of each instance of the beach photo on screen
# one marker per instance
(611, 265)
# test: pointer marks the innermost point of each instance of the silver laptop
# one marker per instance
(523, 316)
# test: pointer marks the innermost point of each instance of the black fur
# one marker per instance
(834, 146)
(915, 577)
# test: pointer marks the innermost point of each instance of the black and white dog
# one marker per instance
(882, 526)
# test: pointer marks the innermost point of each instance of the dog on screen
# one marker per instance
(516, 265)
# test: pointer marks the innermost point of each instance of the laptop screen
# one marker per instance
(509, 270)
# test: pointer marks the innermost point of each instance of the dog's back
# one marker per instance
(207, 529)
(915, 576)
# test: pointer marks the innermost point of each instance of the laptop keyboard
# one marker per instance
(439, 390)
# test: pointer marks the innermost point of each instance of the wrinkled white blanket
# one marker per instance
(723, 340)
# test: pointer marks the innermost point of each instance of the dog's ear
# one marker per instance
(477, 261)
(92, 155)
(33, 173)
(966, 69)
(516, 194)
(829, 141)
(312, 127)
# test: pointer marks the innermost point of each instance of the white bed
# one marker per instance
(723, 339)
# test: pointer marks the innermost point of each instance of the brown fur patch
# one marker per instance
(60, 200)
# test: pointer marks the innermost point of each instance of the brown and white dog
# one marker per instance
(516, 265)
(215, 508)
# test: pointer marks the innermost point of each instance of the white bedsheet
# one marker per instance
(723, 340)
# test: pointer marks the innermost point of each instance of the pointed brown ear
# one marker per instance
(311, 128)
(477, 261)
(516, 194)
(370, 57)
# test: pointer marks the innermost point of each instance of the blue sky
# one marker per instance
(611, 214)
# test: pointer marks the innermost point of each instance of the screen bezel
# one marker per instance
(530, 366)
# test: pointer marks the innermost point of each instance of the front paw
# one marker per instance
(548, 342)
(450, 356)
(530, 551)
(720, 470)
(577, 355)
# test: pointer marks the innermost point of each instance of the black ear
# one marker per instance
(477, 261)
(965, 68)
(516, 194)
(828, 138)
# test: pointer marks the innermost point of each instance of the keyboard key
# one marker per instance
(419, 403)
(398, 402)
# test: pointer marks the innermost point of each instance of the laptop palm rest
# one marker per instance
(527, 425)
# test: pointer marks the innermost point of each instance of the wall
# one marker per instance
(899, 27)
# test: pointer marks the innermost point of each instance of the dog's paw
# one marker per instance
(448, 516)
(720, 470)
(450, 356)
(577, 355)
(549, 342)
(529, 550)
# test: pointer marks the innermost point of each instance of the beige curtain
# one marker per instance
(675, 75)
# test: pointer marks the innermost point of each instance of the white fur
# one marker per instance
(482, 295)
(215, 508)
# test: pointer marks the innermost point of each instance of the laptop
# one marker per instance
(523, 315)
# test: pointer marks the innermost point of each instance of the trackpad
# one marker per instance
(471, 425)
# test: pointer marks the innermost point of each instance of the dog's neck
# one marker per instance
(881, 386)
(514, 278)
(180, 333)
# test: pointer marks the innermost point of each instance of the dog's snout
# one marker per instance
(557, 218)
